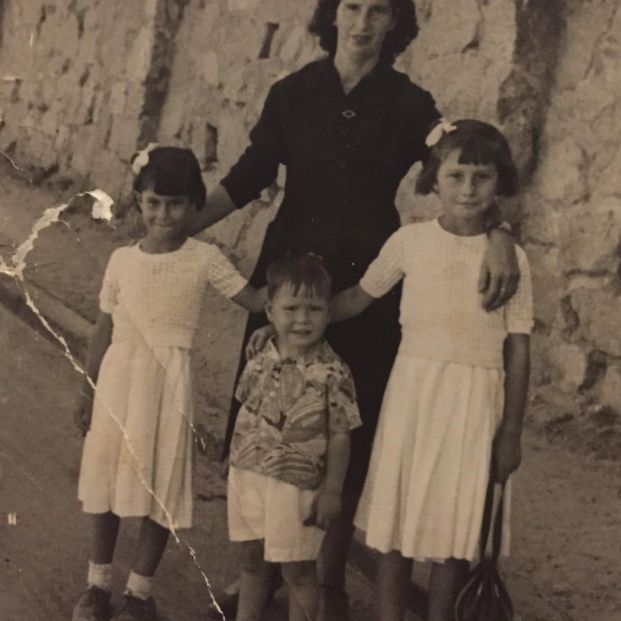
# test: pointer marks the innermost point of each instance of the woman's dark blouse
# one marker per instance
(345, 156)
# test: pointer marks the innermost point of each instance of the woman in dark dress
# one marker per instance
(347, 128)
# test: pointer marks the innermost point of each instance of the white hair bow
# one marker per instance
(142, 157)
(438, 132)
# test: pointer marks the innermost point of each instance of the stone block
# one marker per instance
(567, 365)
(543, 262)
(599, 315)
(590, 236)
(118, 97)
(562, 175)
(610, 388)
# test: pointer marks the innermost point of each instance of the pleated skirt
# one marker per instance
(430, 463)
(137, 457)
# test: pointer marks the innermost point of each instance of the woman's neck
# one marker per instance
(152, 245)
(351, 70)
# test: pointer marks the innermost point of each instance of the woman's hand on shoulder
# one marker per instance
(258, 339)
(500, 273)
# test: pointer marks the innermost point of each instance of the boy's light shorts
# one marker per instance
(260, 507)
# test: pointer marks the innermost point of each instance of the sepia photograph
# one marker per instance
(310, 310)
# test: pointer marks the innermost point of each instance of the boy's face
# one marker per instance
(300, 319)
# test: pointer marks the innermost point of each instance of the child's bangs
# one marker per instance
(166, 181)
(310, 288)
(476, 150)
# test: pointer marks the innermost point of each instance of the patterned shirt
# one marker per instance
(289, 408)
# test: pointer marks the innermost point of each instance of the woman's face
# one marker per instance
(362, 26)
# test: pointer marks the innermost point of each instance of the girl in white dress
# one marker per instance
(453, 407)
(137, 459)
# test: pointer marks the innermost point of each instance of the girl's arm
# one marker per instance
(218, 205)
(349, 303)
(506, 455)
(328, 503)
(499, 272)
(98, 344)
(251, 299)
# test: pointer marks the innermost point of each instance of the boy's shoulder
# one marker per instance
(329, 361)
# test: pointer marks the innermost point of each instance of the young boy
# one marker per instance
(290, 448)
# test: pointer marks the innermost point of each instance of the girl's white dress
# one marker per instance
(137, 458)
(429, 468)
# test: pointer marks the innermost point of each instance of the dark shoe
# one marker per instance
(92, 605)
(333, 604)
(136, 609)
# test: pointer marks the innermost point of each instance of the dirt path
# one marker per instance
(43, 557)
(566, 553)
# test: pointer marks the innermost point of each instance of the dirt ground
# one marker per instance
(566, 549)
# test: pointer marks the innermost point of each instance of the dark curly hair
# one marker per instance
(478, 143)
(172, 171)
(397, 40)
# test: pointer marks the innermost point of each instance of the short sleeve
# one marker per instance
(519, 309)
(108, 295)
(222, 275)
(386, 270)
(343, 413)
(257, 167)
(248, 378)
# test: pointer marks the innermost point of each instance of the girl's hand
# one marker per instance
(499, 276)
(506, 455)
(325, 508)
(258, 339)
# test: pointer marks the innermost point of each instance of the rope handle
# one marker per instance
(487, 522)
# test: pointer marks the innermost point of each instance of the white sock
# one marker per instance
(138, 586)
(100, 575)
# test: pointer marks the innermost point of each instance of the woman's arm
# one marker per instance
(98, 344)
(217, 206)
(349, 303)
(506, 450)
(251, 299)
(499, 275)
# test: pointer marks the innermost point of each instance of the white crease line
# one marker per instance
(12, 162)
(101, 210)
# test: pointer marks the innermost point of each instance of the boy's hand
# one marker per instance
(258, 339)
(506, 455)
(325, 509)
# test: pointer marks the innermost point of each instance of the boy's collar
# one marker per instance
(316, 354)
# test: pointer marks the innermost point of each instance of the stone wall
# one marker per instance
(572, 225)
(86, 82)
